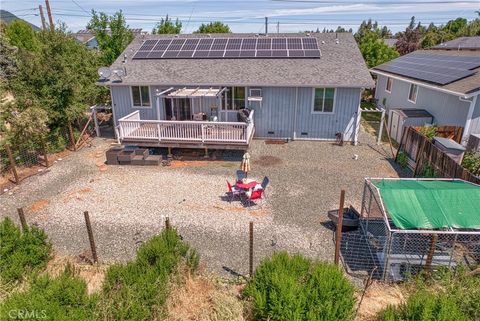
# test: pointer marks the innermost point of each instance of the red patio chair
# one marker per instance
(253, 195)
(233, 192)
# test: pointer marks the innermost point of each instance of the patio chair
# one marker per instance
(264, 184)
(253, 195)
(233, 192)
(241, 175)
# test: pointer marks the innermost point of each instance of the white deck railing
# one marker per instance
(131, 127)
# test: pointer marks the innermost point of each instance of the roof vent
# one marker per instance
(323, 42)
(308, 34)
(125, 58)
(257, 35)
(209, 35)
(337, 41)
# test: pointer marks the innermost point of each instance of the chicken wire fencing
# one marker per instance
(391, 255)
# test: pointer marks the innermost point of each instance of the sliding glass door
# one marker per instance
(178, 109)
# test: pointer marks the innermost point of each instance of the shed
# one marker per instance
(450, 147)
(404, 117)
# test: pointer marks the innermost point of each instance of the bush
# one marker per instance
(139, 289)
(21, 253)
(428, 131)
(402, 159)
(295, 288)
(56, 299)
(471, 162)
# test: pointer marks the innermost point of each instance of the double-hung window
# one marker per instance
(413, 93)
(141, 96)
(323, 100)
(388, 86)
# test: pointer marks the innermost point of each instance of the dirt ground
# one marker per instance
(128, 204)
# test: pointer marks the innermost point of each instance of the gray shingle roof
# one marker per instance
(341, 65)
(462, 43)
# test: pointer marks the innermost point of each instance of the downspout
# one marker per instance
(357, 121)
(117, 136)
(295, 115)
(468, 122)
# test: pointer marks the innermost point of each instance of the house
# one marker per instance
(443, 83)
(220, 91)
(86, 37)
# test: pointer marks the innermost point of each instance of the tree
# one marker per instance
(112, 34)
(167, 26)
(8, 62)
(409, 40)
(21, 35)
(375, 51)
(213, 27)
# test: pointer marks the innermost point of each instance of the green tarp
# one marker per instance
(431, 204)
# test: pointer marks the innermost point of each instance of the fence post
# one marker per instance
(421, 150)
(338, 233)
(250, 257)
(167, 223)
(13, 166)
(404, 133)
(72, 137)
(90, 237)
(44, 152)
(23, 221)
(431, 252)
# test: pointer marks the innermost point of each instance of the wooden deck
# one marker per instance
(188, 134)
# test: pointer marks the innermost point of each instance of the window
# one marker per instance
(323, 100)
(141, 96)
(388, 86)
(234, 98)
(412, 94)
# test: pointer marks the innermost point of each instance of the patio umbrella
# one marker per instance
(245, 166)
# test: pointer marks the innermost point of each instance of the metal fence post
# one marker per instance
(386, 256)
(167, 223)
(23, 221)
(90, 237)
(12, 163)
(338, 234)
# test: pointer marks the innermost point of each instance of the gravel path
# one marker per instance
(127, 204)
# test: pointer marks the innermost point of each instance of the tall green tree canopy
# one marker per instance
(21, 35)
(167, 26)
(111, 33)
(374, 50)
(213, 27)
(409, 40)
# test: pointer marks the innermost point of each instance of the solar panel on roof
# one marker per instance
(434, 68)
(185, 48)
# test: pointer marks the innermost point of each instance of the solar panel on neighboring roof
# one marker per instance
(434, 68)
(185, 48)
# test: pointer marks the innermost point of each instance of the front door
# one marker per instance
(178, 109)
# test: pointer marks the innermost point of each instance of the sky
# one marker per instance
(249, 15)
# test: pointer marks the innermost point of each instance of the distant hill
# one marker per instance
(7, 17)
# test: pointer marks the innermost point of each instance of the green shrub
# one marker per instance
(402, 159)
(55, 299)
(427, 171)
(56, 141)
(429, 131)
(471, 162)
(138, 290)
(295, 288)
(21, 252)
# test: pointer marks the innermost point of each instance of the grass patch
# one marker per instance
(21, 253)
(295, 288)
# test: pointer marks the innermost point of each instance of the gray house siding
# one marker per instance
(283, 112)
(475, 125)
(446, 109)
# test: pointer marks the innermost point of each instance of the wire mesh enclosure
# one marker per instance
(390, 253)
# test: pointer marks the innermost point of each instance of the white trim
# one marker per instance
(468, 122)
(140, 91)
(391, 85)
(416, 93)
(313, 111)
(421, 84)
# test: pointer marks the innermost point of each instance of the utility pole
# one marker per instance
(40, 8)
(266, 25)
(50, 18)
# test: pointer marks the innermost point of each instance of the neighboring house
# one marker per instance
(462, 43)
(86, 37)
(191, 90)
(444, 83)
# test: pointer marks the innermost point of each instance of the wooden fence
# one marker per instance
(422, 152)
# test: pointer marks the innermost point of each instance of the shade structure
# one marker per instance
(431, 204)
(245, 166)
(195, 92)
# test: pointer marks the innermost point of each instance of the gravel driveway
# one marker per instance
(127, 204)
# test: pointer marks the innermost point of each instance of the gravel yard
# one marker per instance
(127, 204)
